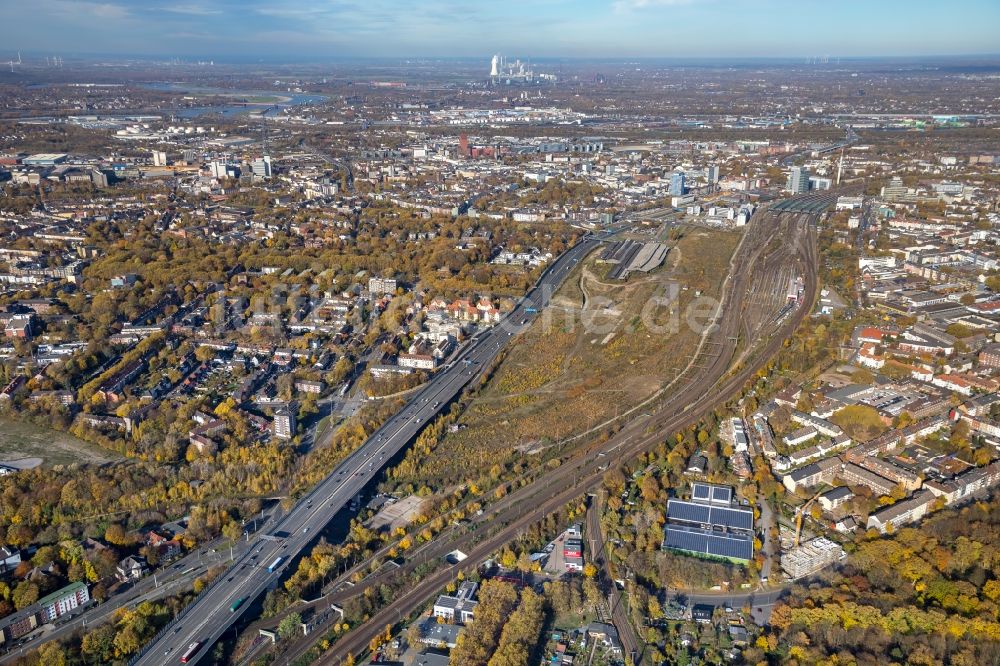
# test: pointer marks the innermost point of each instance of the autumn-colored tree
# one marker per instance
(478, 641)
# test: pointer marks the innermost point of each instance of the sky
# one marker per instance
(270, 30)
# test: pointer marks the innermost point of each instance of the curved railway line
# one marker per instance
(743, 341)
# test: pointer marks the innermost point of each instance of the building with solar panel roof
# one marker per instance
(709, 525)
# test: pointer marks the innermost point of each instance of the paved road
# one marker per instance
(767, 521)
(761, 602)
(176, 578)
(260, 568)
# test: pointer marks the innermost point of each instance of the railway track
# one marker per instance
(631, 643)
(709, 384)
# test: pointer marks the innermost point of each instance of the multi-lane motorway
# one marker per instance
(221, 604)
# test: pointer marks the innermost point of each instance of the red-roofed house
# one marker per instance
(871, 334)
(868, 358)
(168, 548)
(953, 383)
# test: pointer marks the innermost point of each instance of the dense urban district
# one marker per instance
(492, 363)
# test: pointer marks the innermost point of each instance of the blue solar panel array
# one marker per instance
(722, 494)
(734, 546)
(688, 512)
(706, 492)
(709, 525)
(704, 514)
(733, 518)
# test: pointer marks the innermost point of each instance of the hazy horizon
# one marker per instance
(276, 30)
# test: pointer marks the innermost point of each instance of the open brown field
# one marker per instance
(603, 347)
(25, 441)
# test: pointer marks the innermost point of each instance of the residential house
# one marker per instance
(132, 568)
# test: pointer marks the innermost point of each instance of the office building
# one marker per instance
(820, 183)
(261, 167)
(434, 633)
(895, 190)
(159, 158)
(458, 608)
(798, 180)
(222, 170)
(677, 185)
(98, 178)
(712, 175)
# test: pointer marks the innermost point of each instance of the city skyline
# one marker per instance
(281, 29)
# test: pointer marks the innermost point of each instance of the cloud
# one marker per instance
(84, 10)
(629, 5)
(290, 12)
(192, 10)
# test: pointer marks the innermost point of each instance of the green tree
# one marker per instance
(52, 654)
(478, 641)
(25, 594)
(521, 633)
(290, 625)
